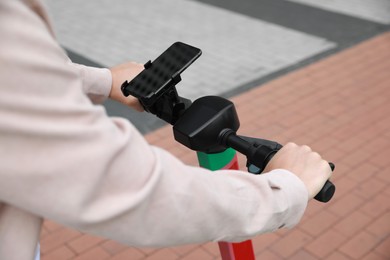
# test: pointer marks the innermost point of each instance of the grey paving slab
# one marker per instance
(345, 30)
(372, 10)
(236, 48)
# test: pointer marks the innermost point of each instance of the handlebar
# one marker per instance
(260, 151)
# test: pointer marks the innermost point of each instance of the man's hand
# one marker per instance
(304, 163)
(120, 74)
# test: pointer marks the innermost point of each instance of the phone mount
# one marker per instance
(164, 103)
(208, 125)
(155, 86)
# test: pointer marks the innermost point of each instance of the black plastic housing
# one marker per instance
(201, 124)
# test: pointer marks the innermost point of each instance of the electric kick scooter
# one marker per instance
(208, 125)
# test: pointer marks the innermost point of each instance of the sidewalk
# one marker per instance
(244, 43)
(340, 106)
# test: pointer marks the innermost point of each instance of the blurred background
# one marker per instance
(244, 43)
(314, 72)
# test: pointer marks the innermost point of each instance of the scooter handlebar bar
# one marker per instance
(260, 151)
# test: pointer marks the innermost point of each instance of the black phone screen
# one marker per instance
(161, 71)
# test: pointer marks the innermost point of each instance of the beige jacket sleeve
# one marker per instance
(96, 82)
(64, 159)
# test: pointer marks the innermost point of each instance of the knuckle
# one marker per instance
(306, 148)
(316, 155)
(291, 145)
(325, 165)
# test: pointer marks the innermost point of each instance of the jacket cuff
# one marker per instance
(294, 193)
(96, 82)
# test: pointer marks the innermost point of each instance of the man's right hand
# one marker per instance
(304, 163)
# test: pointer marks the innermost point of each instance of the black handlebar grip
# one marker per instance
(327, 191)
(266, 150)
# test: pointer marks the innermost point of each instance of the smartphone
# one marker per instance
(159, 75)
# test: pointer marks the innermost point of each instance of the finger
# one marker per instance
(290, 145)
(306, 148)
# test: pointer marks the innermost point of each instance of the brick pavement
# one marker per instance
(340, 107)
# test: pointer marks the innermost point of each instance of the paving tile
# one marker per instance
(269, 255)
(386, 192)
(381, 226)
(376, 206)
(362, 137)
(113, 247)
(270, 131)
(323, 144)
(303, 255)
(325, 243)
(319, 223)
(51, 225)
(127, 254)
(184, 250)
(357, 157)
(260, 243)
(61, 253)
(335, 109)
(44, 233)
(363, 172)
(380, 142)
(352, 223)
(381, 158)
(291, 243)
(345, 185)
(340, 171)
(292, 119)
(383, 248)
(165, 254)
(95, 253)
(284, 232)
(84, 242)
(313, 208)
(374, 256)
(148, 251)
(336, 156)
(58, 238)
(345, 205)
(337, 256)
(359, 245)
(370, 188)
(302, 139)
(383, 125)
(197, 254)
(212, 248)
